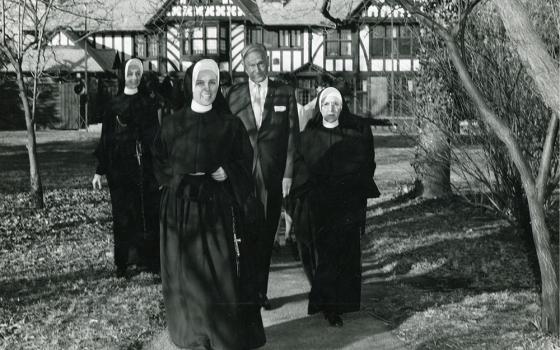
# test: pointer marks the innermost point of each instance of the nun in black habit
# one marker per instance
(334, 170)
(123, 153)
(203, 160)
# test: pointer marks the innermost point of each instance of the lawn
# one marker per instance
(448, 276)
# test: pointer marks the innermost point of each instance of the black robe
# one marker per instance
(124, 156)
(209, 302)
(333, 178)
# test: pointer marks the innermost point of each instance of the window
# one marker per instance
(405, 42)
(185, 42)
(140, 46)
(290, 38)
(398, 41)
(224, 39)
(274, 39)
(203, 40)
(339, 43)
(153, 46)
(378, 47)
(198, 41)
(255, 36)
(270, 38)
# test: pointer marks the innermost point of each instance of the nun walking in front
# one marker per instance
(203, 160)
(334, 170)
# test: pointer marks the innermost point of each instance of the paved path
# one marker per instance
(289, 327)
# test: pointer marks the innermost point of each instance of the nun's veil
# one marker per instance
(317, 118)
(219, 105)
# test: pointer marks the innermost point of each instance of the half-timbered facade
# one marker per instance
(369, 45)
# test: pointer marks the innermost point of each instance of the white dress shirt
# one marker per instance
(256, 103)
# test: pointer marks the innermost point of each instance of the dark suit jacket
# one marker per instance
(275, 142)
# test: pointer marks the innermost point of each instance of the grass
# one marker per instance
(57, 285)
(447, 276)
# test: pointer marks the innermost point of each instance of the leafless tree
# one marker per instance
(538, 63)
(26, 27)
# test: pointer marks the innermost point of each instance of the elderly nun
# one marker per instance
(333, 178)
(203, 160)
(123, 154)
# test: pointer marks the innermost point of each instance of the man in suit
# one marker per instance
(268, 110)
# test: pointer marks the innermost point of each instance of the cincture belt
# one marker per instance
(197, 188)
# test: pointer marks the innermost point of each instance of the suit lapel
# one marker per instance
(250, 115)
(268, 102)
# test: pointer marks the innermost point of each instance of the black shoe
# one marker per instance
(333, 319)
(265, 303)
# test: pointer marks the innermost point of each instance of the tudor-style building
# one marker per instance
(369, 45)
(373, 48)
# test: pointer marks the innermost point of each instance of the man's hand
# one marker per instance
(286, 186)
(96, 182)
(219, 175)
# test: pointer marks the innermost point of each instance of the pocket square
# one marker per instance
(279, 108)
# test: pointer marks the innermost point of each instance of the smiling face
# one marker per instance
(133, 75)
(331, 106)
(205, 87)
(256, 66)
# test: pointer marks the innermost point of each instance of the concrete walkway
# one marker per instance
(289, 327)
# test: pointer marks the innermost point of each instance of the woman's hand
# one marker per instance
(96, 182)
(219, 175)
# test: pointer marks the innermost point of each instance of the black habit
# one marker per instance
(209, 302)
(333, 178)
(124, 156)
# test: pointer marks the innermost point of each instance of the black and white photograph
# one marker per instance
(279, 174)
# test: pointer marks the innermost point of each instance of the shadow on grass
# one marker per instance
(46, 289)
(421, 254)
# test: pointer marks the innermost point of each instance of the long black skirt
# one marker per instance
(204, 305)
(331, 254)
(135, 199)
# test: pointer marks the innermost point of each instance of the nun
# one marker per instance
(203, 159)
(123, 156)
(333, 178)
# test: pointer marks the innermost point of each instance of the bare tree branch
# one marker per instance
(546, 159)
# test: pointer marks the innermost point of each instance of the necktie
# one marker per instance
(257, 108)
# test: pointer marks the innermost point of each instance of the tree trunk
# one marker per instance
(34, 177)
(432, 161)
(545, 73)
(530, 47)
(549, 294)
(541, 236)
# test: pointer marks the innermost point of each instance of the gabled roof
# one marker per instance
(250, 9)
(343, 9)
(303, 12)
(310, 67)
(118, 15)
(293, 13)
(136, 15)
(107, 58)
(70, 59)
